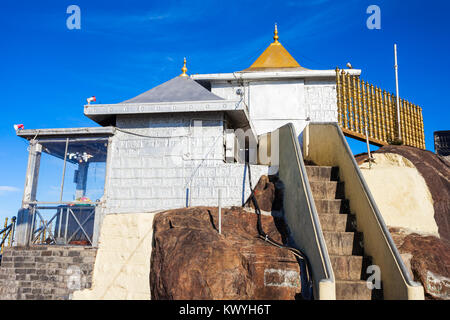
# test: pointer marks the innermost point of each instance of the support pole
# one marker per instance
(4, 236)
(399, 133)
(13, 230)
(81, 181)
(220, 211)
(368, 148)
(24, 216)
(31, 181)
(64, 171)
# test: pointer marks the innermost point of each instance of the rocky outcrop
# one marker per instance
(436, 173)
(429, 260)
(427, 257)
(268, 193)
(401, 193)
(191, 260)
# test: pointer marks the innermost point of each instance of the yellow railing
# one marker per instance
(6, 235)
(362, 105)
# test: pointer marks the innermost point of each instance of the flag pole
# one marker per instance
(397, 93)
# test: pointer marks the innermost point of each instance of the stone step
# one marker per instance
(328, 190)
(316, 173)
(343, 243)
(350, 267)
(353, 290)
(335, 206)
(337, 222)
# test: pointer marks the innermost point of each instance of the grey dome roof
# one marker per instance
(178, 89)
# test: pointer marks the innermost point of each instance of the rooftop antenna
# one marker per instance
(399, 133)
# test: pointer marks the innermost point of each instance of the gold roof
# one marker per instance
(274, 57)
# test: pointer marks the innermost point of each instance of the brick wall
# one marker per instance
(148, 173)
(321, 100)
(45, 272)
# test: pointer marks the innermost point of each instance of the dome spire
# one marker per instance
(275, 57)
(184, 69)
(275, 34)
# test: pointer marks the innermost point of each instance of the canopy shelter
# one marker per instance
(63, 214)
(78, 151)
(79, 146)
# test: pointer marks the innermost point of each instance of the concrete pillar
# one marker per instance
(99, 215)
(24, 215)
(100, 210)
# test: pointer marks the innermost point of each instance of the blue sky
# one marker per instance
(123, 49)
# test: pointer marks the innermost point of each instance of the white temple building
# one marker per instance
(187, 142)
(176, 145)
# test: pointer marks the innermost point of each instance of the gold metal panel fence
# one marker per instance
(363, 106)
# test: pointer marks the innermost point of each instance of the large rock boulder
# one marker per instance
(428, 257)
(401, 193)
(268, 193)
(429, 261)
(191, 260)
(436, 173)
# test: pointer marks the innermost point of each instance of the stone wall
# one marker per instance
(321, 101)
(156, 159)
(45, 272)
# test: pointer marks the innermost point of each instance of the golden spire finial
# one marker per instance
(184, 69)
(275, 34)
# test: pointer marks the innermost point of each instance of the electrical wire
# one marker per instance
(148, 136)
(264, 236)
(188, 183)
(168, 137)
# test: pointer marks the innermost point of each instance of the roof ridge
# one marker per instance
(177, 89)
